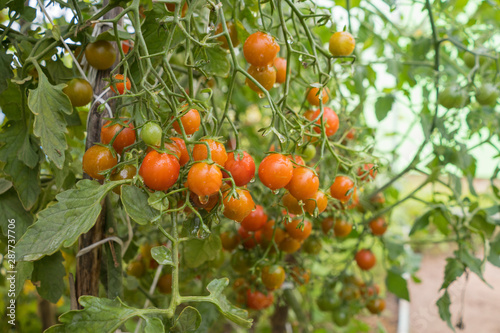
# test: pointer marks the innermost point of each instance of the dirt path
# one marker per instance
(482, 304)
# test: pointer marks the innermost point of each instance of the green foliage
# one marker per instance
(48, 274)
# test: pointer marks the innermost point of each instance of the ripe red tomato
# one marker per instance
(267, 233)
(255, 220)
(125, 137)
(273, 277)
(351, 134)
(204, 179)
(165, 284)
(233, 34)
(242, 168)
(275, 171)
(159, 171)
(313, 96)
(376, 306)
(208, 202)
(79, 91)
(171, 8)
(237, 208)
(289, 244)
(342, 228)
(280, 64)
(190, 122)
(327, 225)
(296, 160)
(365, 259)
(97, 159)
(125, 172)
(100, 55)
(291, 204)
(299, 233)
(258, 301)
(184, 158)
(319, 200)
(229, 240)
(217, 150)
(342, 188)
(260, 49)
(367, 172)
(127, 45)
(378, 226)
(342, 43)
(304, 183)
(331, 121)
(120, 84)
(250, 239)
(266, 76)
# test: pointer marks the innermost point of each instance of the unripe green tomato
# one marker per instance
(312, 245)
(218, 261)
(341, 317)
(79, 92)
(309, 153)
(151, 134)
(487, 94)
(240, 262)
(470, 59)
(328, 302)
(453, 97)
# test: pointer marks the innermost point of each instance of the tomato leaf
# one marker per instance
(397, 285)
(48, 103)
(421, 223)
(231, 312)
(26, 180)
(217, 62)
(452, 271)
(383, 105)
(62, 223)
(6, 72)
(12, 209)
(135, 202)
(494, 256)
(198, 251)
(443, 305)
(5, 185)
(104, 315)
(24, 270)
(48, 274)
(188, 321)
(162, 255)
(473, 263)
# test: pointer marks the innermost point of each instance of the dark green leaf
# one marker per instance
(494, 256)
(24, 270)
(217, 63)
(5, 185)
(135, 202)
(453, 270)
(397, 285)
(473, 263)
(198, 251)
(5, 70)
(12, 209)
(48, 274)
(443, 305)
(188, 321)
(421, 223)
(383, 106)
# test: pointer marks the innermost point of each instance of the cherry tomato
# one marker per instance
(351, 134)
(299, 233)
(301, 276)
(165, 284)
(341, 317)
(342, 188)
(242, 168)
(313, 96)
(453, 96)
(275, 171)
(100, 55)
(309, 152)
(266, 76)
(204, 179)
(255, 220)
(289, 244)
(207, 204)
(487, 94)
(120, 84)
(291, 204)
(312, 245)
(342, 228)
(241, 261)
(258, 301)
(370, 291)
(280, 64)
(125, 137)
(378, 226)
(341, 44)
(127, 45)
(151, 134)
(296, 160)
(365, 259)
(229, 240)
(190, 122)
(319, 200)
(126, 172)
(273, 277)
(367, 172)
(260, 49)
(327, 225)
(250, 239)
(136, 268)
(159, 171)
(233, 34)
(237, 208)
(171, 8)
(268, 230)
(331, 121)
(329, 302)
(184, 157)
(304, 183)
(217, 150)
(79, 91)
(98, 159)
(376, 306)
